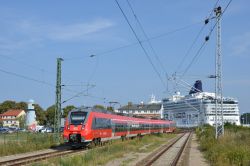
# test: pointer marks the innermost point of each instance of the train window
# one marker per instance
(101, 123)
(77, 117)
(121, 127)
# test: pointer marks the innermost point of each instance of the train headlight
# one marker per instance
(83, 126)
(68, 127)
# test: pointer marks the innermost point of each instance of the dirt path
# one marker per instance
(195, 155)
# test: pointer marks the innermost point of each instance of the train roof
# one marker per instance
(116, 115)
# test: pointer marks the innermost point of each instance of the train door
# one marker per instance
(113, 127)
(149, 127)
(162, 127)
(128, 127)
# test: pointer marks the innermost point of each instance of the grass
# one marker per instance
(118, 149)
(231, 149)
(24, 142)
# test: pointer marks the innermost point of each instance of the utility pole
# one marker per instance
(218, 81)
(58, 113)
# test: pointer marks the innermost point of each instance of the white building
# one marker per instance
(12, 117)
(152, 109)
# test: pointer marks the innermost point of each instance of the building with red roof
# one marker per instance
(11, 117)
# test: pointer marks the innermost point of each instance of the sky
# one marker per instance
(103, 60)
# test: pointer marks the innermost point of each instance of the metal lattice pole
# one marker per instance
(58, 113)
(219, 120)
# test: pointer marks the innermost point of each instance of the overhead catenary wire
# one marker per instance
(196, 38)
(25, 64)
(147, 38)
(190, 48)
(32, 79)
(203, 44)
(27, 78)
(144, 50)
(78, 94)
(42, 70)
(64, 87)
(94, 70)
(211, 13)
(134, 43)
(212, 29)
(198, 53)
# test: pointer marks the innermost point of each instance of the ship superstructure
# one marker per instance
(198, 107)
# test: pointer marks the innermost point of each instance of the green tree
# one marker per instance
(8, 104)
(21, 105)
(99, 107)
(67, 109)
(50, 115)
(245, 118)
(40, 114)
(110, 109)
(22, 120)
(1, 123)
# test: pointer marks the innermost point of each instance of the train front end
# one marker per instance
(75, 128)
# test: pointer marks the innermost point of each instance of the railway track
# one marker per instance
(37, 157)
(168, 154)
(30, 158)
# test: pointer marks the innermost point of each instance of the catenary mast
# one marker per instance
(218, 80)
(57, 122)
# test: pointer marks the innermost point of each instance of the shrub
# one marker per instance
(231, 149)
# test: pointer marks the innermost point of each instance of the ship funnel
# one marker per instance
(197, 87)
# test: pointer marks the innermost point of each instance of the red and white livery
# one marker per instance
(85, 125)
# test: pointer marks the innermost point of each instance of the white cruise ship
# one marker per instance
(199, 108)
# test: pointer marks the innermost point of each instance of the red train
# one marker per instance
(85, 125)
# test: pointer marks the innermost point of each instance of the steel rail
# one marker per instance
(178, 156)
(149, 160)
(38, 157)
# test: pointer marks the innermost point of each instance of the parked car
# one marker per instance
(3, 130)
(38, 128)
(46, 130)
(22, 130)
(12, 129)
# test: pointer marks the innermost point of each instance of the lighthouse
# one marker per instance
(31, 116)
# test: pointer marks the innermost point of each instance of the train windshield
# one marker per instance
(78, 117)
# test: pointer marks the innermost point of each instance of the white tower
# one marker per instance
(31, 116)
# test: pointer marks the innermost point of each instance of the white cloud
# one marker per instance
(77, 31)
(240, 45)
(25, 33)
(63, 32)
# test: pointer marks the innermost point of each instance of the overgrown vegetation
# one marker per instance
(24, 142)
(231, 149)
(118, 149)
